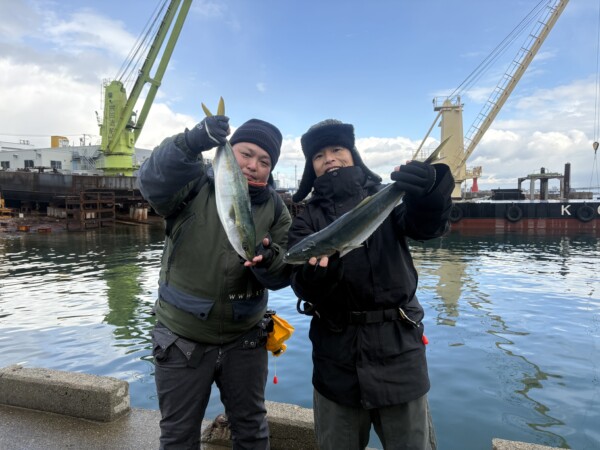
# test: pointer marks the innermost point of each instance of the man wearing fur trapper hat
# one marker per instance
(211, 324)
(369, 363)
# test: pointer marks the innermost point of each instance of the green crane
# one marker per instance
(121, 126)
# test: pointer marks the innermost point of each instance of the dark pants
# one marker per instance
(402, 427)
(183, 383)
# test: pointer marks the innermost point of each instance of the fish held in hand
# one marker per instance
(232, 197)
(350, 230)
(233, 202)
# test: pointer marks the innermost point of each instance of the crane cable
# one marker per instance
(130, 68)
(500, 49)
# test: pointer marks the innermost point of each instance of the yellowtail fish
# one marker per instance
(350, 230)
(233, 200)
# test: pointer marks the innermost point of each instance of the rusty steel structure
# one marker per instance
(39, 190)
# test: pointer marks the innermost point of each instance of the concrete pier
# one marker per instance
(42, 409)
(70, 393)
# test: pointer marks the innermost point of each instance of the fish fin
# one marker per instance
(363, 201)
(221, 107)
(435, 155)
(206, 110)
(349, 249)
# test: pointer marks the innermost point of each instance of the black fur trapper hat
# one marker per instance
(322, 134)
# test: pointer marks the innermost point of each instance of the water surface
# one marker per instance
(513, 323)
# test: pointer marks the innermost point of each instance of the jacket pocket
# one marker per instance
(162, 343)
(198, 306)
(171, 350)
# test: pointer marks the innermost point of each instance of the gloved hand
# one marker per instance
(416, 178)
(264, 249)
(209, 133)
(330, 274)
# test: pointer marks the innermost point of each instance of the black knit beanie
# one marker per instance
(265, 135)
(325, 133)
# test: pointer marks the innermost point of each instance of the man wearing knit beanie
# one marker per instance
(369, 364)
(211, 308)
(262, 134)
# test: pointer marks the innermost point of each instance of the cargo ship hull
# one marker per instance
(524, 216)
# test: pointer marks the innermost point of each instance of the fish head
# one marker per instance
(300, 253)
(248, 244)
(248, 251)
(306, 249)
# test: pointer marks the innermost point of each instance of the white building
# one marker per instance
(76, 159)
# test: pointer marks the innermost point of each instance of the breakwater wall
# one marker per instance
(50, 409)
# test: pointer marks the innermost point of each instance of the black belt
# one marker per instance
(378, 316)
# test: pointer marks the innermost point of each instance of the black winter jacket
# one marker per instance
(374, 364)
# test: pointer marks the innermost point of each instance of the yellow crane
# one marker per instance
(458, 148)
(120, 126)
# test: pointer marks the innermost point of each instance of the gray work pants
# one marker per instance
(402, 427)
(183, 382)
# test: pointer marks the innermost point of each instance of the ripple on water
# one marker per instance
(513, 324)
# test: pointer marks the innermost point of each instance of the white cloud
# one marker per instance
(51, 70)
(209, 9)
(55, 86)
(86, 30)
(549, 128)
(381, 155)
(45, 102)
(162, 122)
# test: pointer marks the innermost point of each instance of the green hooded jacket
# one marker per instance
(206, 294)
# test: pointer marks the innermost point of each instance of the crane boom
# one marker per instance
(511, 78)
(120, 129)
(459, 149)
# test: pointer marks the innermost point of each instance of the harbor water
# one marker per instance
(513, 323)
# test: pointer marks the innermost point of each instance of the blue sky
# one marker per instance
(377, 65)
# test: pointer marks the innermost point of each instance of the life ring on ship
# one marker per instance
(514, 213)
(585, 213)
(456, 213)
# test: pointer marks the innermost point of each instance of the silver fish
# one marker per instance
(233, 202)
(350, 230)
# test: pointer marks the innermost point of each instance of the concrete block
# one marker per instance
(501, 444)
(291, 426)
(74, 394)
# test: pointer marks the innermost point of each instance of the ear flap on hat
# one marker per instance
(306, 184)
(320, 135)
(359, 162)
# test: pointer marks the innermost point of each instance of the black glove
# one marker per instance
(415, 178)
(209, 133)
(266, 251)
(331, 274)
